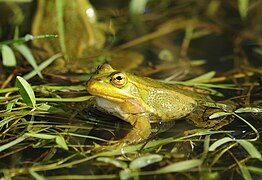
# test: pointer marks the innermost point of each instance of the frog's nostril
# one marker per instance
(98, 79)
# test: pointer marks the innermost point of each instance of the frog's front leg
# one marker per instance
(140, 131)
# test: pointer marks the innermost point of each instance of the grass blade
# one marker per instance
(250, 148)
(245, 172)
(12, 143)
(42, 66)
(205, 76)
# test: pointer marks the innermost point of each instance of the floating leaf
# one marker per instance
(115, 162)
(25, 51)
(8, 56)
(26, 91)
(145, 161)
(180, 166)
(60, 140)
(219, 142)
(250, 148)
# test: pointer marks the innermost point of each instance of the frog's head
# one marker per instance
(111, 84)
(115, 91)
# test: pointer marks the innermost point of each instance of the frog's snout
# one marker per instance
(90, 85)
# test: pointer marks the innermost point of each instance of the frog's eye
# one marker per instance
(119, 80)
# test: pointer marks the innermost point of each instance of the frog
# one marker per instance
(141, 101)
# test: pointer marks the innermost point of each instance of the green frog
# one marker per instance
(141, 101)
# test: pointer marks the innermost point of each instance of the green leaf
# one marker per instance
(26, 91)
(8, 56)
(61, 142)
(115, 162)
(180, 166)
(41, 135)
(219, 114)
(243, 8)
(249, 109)
(145, 161)
(219, 142)
(250, 148)
(25, 51)
(205, 76)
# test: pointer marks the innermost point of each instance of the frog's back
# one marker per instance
(166, 101)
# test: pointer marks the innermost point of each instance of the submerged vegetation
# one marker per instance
(49, 128)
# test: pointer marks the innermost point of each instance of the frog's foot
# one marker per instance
(140, 131)
(201, 119)
(116, 145)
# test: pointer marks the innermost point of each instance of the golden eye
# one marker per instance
(119, 80)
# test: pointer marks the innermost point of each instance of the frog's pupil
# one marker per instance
(119, 78)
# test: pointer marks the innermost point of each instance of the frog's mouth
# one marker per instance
(106, 95)
(110, 97)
